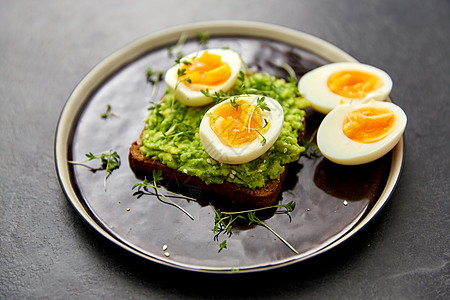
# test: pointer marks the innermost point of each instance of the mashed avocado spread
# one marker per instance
(171, 135)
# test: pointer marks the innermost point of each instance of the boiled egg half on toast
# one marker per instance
(241, 129)
(212, 70)
(339, 83)
(353, 134)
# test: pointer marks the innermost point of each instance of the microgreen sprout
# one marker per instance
(110, 161)
(224, 221)
(154, 77)
(290, 71)
(261, 104)
(241, 78)
(233, 102)
(159, 192)
(222, 245)
(312, 150)
(263, 139)
(218, 96)
(202, 38)
(177, 48)
(264, 107)
(246, 68)
(182, 72)
(254, 219)
(180, 129)
(108, 113)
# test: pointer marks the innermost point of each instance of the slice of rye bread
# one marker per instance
(260, 197)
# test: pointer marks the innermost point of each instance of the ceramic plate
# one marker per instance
(332, 202)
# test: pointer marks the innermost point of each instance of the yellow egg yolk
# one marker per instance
(237, 126)
(353, 84)
(206, 70)
(369, 124)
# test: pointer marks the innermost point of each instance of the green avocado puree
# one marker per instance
(171, 135)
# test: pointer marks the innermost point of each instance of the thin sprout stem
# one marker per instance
(280, 237)
(155, 186)
(155, 90)
(89, 159)
(250, 118)
(252, 210)
(174, 204)
(106, 167)
(289, 70)
(171, 201)
(313, 136)
(104, 180)
(246, 68)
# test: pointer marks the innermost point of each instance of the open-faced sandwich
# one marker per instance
(223, 128)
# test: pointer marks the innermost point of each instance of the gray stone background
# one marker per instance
(47, 251)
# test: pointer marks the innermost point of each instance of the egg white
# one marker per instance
(313, 86)
(189, 97)
(231, 155)
(338, 148)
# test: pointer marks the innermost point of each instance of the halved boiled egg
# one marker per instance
(338, 83)
(353, 134)
(212, 70)
(241, 129)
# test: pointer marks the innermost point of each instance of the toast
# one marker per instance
(254, 184)
(260, 197)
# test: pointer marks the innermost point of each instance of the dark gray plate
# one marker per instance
(332, 202)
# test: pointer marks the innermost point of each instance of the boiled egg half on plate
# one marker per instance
(338, 83)
(242, 128)
(353, 134)
(212, 70)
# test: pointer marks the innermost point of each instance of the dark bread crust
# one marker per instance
(261, 197)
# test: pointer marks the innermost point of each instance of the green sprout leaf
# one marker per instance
(202, 38)
(233, 102)
(218, 96)
(108, 113)
(110, 161)
(222, 245)
(154, 77)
